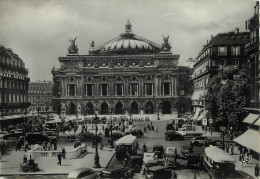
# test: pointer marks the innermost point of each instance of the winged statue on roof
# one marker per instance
(73, 48)
(166, 45)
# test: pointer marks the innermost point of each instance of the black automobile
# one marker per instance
(185, 151)
(137, 133)
(169, 126)
(117, 135)
(158, 150)
(87, 136)
(173, 136)
(160, 172)
(194, 160)
(16, 133)
(115, 173)
(135, 163)
(38, 138)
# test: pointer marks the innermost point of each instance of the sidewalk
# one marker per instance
(10, 164)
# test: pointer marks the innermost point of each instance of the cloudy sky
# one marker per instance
(39, 31)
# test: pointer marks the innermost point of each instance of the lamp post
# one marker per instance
(96, 158)
(111, 145)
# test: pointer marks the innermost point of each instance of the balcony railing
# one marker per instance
(254, 21)
(252, 42)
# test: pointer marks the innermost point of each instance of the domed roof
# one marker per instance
(127, 43)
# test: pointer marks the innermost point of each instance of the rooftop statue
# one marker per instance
(166, 45)
(128, 27)
(73, 48)
(92, 43)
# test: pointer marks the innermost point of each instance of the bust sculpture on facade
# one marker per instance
(166, 45)
(73, 48)
(128, 27)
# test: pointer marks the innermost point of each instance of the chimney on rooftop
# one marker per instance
(237, 30)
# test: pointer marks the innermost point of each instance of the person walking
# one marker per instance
(232, 149)
(59, 159)
(256, 170)
(101, 145)
(144, 148)
(24, 159)
(137, 145)
(63, 152)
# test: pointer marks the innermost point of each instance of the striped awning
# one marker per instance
(250, 139)
(251, 118)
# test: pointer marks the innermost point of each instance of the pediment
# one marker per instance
(166, 67)
(70, 69)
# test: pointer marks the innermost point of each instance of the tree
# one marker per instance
(228, 95)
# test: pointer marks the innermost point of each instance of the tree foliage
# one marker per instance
(228, 95)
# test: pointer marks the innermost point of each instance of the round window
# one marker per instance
(71, 79)
(119, 78)
(89, 79)
(166, 77)
(149, 78)
(134, 78)
(104, 79)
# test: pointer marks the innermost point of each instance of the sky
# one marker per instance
(39, 30)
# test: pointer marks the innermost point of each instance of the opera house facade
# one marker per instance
(127, 75)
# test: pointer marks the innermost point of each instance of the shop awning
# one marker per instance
(198, 94)
(251, 118)
(257, 122)
(250, 139)
(196, 114)
(200, 117)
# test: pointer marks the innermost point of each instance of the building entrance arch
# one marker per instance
(134, 108)
(89, 109)
(166, 107)
(119, 108)
(104, 108)
(149, 108)
(72, 109)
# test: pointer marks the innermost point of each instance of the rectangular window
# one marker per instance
(222, 51)
(236, 62)
(222, 62)
(235, 51)
(166, 88)
(181, 85)
(134, 90)
(71, 90)
(104, 89)
(182, 92)
(89, 89)
(119, 89)
(149, 89)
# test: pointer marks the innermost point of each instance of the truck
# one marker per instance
(189, 130)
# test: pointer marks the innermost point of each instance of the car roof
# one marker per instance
(157, 145)
(76, 172)
(151, 161)
(112, 169)
(156, 168)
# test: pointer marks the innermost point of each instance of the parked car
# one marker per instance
(86, 136)
(158, 150)
(114, 173)
(2, 134)
(15, 133)
(199, 140)
(185, 150)
(151, 163)
(148, 156)
(38, 138)
(86, 173)
(137, 133)
(193, 160)
(117, 135)
(173, 136)
(170, 126)
(160, 172)
(171, 157)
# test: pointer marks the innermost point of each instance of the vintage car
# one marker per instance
(116, 173)
(148, 156)
(194, 160)
(173, 136)
(199, 140)
(158, 150)
(151, 163)
(86, 173)
(135, 163)
(171, 157)
(15, 133)
(38, 138)
(170, 126)
(160, 172)
(185, 150)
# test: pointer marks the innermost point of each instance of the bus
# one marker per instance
(220, 164)
(126, 145)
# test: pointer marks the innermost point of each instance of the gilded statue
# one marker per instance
(166, 45)
(73, 48)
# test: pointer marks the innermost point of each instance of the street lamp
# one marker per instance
(96, 158)
(111, 145)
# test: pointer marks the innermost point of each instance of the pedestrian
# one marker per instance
(232, 149)
(256, 170)
(55, 146)
(144, 148)
(63, 152)
(49, 146)
(24, 159)
(101, 145)
(227, 148)
(59, 159)
(75, 144)
(137, 145)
